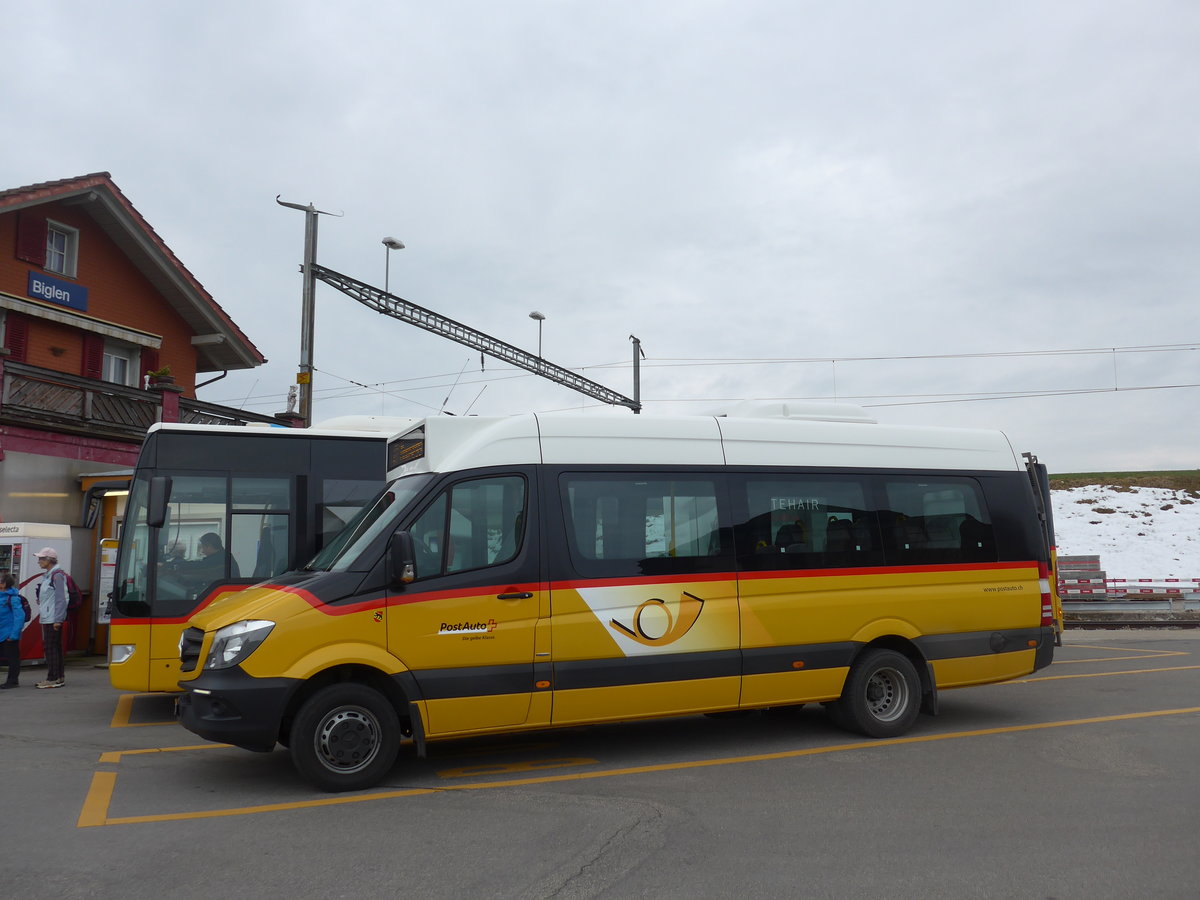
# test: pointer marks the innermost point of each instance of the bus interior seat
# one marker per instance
(838, 536)
(791, 538)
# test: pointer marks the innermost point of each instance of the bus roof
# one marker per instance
(446, 443)
(378, 427)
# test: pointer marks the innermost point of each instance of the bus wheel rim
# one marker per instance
(347, 739)
(887, 695)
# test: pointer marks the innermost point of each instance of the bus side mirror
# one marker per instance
(403, 557)
(160, 496)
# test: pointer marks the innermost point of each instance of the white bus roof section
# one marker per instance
(459, 444)
(346, 426)
(792, 442)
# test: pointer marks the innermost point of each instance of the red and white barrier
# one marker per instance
(1126, 586)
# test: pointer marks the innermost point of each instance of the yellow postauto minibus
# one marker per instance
(539, 571)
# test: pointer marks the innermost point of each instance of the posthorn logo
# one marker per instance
(654, 624)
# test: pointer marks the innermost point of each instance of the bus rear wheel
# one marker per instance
(881, 697)
(345, 737)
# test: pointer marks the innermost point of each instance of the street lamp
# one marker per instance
(539, 318)
(391, 244)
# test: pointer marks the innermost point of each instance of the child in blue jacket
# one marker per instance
(12, 620)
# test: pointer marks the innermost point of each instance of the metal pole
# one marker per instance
(308, 316)
(389, 244)
(308, 306)
(539, 318)
(637, 374)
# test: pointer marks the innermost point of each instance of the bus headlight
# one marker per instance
(233, 643)
(119, 653)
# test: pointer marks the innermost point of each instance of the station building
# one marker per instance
(103, 331)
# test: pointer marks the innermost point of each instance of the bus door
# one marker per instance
(644, 607)
(466, 627)
(802, 540)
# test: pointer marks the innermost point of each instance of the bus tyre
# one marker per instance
(881, 697)
(345, 737)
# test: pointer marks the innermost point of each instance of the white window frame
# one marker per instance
(68, 255)
(116, 350)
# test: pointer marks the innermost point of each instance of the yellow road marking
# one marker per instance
(114, 756)
(1131, 649)
(532, 765)
(1143, 653)
(95, 807)
(1102, 674)
(1147, 655)
(124, 712)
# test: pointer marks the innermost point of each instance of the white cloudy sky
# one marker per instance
(780, 199)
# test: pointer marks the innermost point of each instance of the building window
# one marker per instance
(62, 247)
(119, 364)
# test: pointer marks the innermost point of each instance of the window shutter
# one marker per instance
(31, 238)
(16, 337)
(148, 362)
(93, 356)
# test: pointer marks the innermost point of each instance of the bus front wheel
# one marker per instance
(881, 697)
(345, 737)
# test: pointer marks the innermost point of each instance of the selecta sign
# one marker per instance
(55, 290)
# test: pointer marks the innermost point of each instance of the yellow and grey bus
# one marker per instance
(539, 571)
(215, 508)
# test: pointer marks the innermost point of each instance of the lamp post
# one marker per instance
(539, 318)
(391, 244)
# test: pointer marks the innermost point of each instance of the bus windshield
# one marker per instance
(131, 597)
(376, 519)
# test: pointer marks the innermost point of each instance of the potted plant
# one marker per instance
(161, 376)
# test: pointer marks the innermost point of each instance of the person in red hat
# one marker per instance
(52, 601)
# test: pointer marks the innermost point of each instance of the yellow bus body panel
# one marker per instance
(597, 628)
(306, 640)
(783, 688)
(635, 701)
(474, 714)
(154, 665)
(638, 621)
(952, 673)
(134, 673)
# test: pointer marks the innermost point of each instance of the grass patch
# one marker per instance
(1182, 480)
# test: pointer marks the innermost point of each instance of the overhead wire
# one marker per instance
(391, 387)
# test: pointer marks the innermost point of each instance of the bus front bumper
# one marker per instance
(231, 707)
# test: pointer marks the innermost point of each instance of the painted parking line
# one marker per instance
(96, 805)
(1102, 674)
(1138, 653)
(124, 713)
(533, 765)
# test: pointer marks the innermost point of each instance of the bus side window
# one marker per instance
(936, 522)
(643, 524)
(472, 525)
(805, 522)
(259, 526)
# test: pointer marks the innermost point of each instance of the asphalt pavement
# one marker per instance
(1079, 781)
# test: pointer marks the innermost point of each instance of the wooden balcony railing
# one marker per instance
(42, 398)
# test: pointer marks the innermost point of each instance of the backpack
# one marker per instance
(74, 596)
(25, 606)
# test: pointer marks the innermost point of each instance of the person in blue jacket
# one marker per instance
(12, 620)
